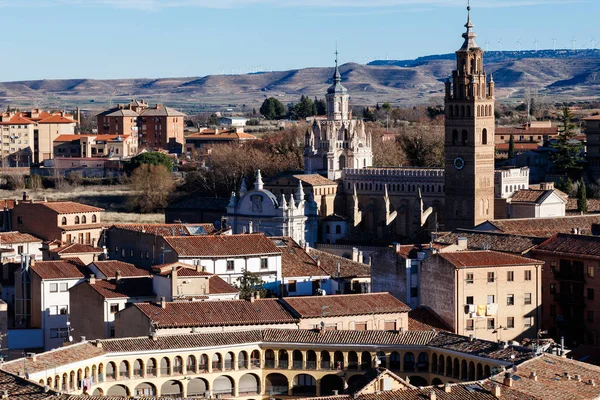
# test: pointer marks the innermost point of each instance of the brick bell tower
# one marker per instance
(469, 138)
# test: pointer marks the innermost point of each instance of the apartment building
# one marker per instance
(571, 288)
(488, 294)
(28, 137)
(157, 127)
(65, 221)
(85, 146)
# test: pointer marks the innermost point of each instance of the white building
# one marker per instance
(543, 203)
(259, 210)
(509, 181)
(233, 121)
(14, 246)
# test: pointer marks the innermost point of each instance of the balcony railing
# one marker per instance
(242, 364)
(283, 364)
(165, 371)
(138, 372)
(111, 377)
(325, 364)
(191, 368)
(269, 363)
(255, 363)
(298, 364)
(277, 390)
(223, 391)
(228, 365)
(178, 369)
(249, 390)
(353, 365)
(311, 365)
(124, 374)
(202, 367)
(217, 365)
(151, 371)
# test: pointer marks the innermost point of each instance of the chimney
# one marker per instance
(83, 339)
(163, 303)
(567, 376)
(24, 196)
(533, 376)
(174, 279)
(98, 343)
(250, 227)
(462, 243)
(335, 392)
(471, 338)
(432, 395)
(447, 388)
(508, 380)
(92, 279)
(31, 356)
(318, 262)
(118, 276)
(592, 382)
(578, 377)
(496, 391)
(354, 254)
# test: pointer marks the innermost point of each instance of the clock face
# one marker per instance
(459, 163)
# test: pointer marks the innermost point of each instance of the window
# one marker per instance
(112, 331)
(53, 287)
(63, 310)
(69, 238)
(114, 308)
(292, 286)
(64, 221)
(528, 275)
(264, 263)
(414, 292)
(490, 299)
(19, 249)
(84, 219)
(469, 278)
(360, 326)
(490, 277)
(53, 310)
(510, 276)
(491, 323)
(590, 271)
(528, 322)
(470, 325)
(94, 219)
(390, 325)
(527, 298)
(229, 265)
(470, 300)
(590, 294)
(590, 316)
(147, 255)
(510, 322)
(76, 219)
(19, 220)
(510, 300)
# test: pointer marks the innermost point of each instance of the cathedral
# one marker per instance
(390, 203)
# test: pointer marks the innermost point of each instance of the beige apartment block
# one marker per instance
(28, 137)
(490, 295)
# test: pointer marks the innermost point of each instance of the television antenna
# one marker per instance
(554, 44)
(501, 43)
(519, 44)
(535, 43)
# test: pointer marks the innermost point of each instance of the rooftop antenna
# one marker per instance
(554, 44)
(501, 43)
(535, 43)
(519, 44)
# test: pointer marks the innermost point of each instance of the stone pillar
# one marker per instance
(276, 354)
(318, 353)
(318, 387)
(290, 387)
(235, 362)
(373, 360)
(290, 358)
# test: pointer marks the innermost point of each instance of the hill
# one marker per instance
(562, 75)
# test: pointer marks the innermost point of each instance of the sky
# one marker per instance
(108, 39)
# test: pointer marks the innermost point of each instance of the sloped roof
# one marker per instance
(543, 227)
(580, 246)
(216, 285)
(125, 288)
(161, 111)
(314, 179)
(59, 269)
(76, 248)
(222, 246)
(535, 196)
(295, 261)
(345, 304)
(216, 313)
(110, 267)
(17, 237)
(68, 207)
(485, 258)
(424, 318)
(169, 229)
(21, 389)
(495, 241)
(348, 268)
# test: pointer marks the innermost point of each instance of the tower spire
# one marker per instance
(469, 35)
(337, 77)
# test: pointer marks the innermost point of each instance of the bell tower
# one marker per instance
(337, 97)
(469, 138)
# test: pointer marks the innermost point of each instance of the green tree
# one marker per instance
(150, 158)
(511, 147)
(568, 151)
(272, 109)
(387, 106)
(565, 186)
(368, 115)
(250, 283)
(303, 110)
(582, 197)
(321, 106)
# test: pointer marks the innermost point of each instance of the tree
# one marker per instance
(511, 147)
(321, 106)
(302, 110)
(150, 158)
(155, 184)
(423, 146)
(568, 151)
(582, 197)
(250, 283)
(368, 115)
(272, 109)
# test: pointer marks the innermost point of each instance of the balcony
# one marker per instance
(270, 364)
(150, 371)
(278, 390)
(283, 364)
(298, 364)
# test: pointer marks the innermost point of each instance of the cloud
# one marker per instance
(154, 5)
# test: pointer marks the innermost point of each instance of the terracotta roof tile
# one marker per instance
(345, 304)
(295, 261)
(20, 389)
(529, 196)
(109, 269)
(76, 248)
(314, 180)
(222, 246)
(424, 318)
(182, 270)
(56, 119)
(217, 313)
(348, 268)
(521, 131)
(60, 269)
(17, 237)
(544, 227)
(486, 258)
(579, 246)
(169, 229)
(81, 227)
(125, 288)
(515, 244)
(478, 347)
(69, 207)
(217, 285)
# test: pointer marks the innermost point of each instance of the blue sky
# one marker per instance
(47, 39)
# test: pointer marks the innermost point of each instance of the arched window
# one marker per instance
(468, 111)
(77, 219)
(465, 137)
(451, 111)
(342, 162)
(484, 138)
(462, 111)
(64, 221)
(83, 219)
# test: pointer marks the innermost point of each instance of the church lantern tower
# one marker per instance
(337, 97)
(469, 138)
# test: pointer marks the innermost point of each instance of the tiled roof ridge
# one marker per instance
(68, 347)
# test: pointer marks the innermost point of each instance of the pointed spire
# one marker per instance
(243, 187)
(232, 200)
(337, 86)
(292, 202)
(284, 205)
(300, 192)
(469, 35)
(491, 78)
(259, 184)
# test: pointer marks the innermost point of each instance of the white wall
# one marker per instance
(48, 302)
(253, 264)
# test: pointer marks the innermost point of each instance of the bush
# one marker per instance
(34, 182)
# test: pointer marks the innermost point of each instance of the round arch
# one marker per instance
(276, 384)
(331, 382)
(118, 390)
(171, 388)
(437, 381)
(487, 372)
(98, 392)
(304, 384)
(223, 385)
(479, 371)
(395, 361)
(242, 360)
(249, 384)
(365, 360)
(145, 389)
(197, 387)
(416, 380)
(354, 378)
(353, 360)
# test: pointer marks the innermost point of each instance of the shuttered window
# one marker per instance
(390, 325)
(360, 326)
